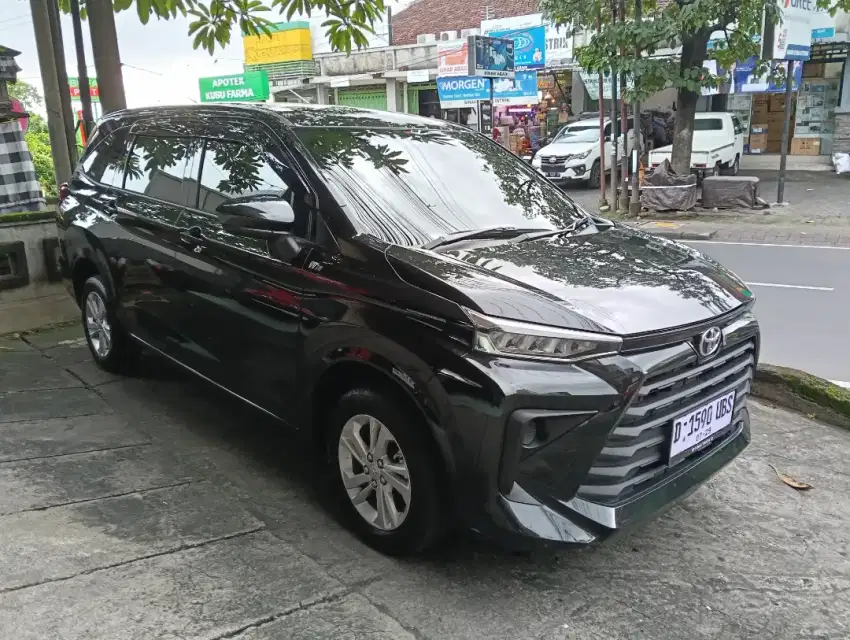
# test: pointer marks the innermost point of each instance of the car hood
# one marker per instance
(566, 148)
(616, 280)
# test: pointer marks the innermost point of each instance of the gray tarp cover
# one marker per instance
(731, 192)
(664, 189)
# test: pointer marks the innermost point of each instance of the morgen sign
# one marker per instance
(248, 86)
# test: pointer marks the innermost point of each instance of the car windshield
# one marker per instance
(409, 187)
(578, 133)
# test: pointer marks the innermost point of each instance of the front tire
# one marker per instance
(112, 349)
(385, 473)
(594, 180)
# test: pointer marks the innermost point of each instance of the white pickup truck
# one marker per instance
(717, 148)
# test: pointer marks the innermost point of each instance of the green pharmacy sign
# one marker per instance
(251, 85)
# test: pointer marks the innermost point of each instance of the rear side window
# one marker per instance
(105, 162)
(708, 124)
(158, 165)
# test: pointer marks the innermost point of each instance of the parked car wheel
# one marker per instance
(385, 473)
(593, 181)
(112, 349)
(732, 169)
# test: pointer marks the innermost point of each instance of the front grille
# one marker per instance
(636, 453)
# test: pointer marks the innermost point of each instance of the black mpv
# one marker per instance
(466, 345)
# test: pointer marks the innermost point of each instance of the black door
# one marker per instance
(147, 210)
(244, 329)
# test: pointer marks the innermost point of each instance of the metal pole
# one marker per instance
(603, 202)
(623, 202)
(786, 130)
(59, 146)
(634, 205)
(62, 77)
(615, 156)
(82, 73)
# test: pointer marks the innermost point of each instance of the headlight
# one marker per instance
(536, 341)
(582, 155)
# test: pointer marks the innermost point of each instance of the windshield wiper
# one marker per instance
(578, 225)
(478, 234)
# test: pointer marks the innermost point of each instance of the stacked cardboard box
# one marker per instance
(761, 103)
(805, 146)
(758, 139)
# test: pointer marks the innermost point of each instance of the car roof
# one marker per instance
(292, 114)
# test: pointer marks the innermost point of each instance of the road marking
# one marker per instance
(766, 244)
(841, 383)
(788, 286)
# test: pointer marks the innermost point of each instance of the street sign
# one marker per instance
(74, 86)
(251, 85)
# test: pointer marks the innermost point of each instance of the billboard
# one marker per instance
(458, 92)
(792, 37)
(529, 46)
(558, 52)
(74, 86)
(287, 42)
(491, 57)
(453, 58)
(746, 81)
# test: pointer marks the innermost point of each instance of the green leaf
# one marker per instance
(143, 8)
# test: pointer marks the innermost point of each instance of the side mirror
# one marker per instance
(263, 219)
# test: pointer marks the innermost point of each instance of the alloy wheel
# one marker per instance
(97, 324)
(374, 472)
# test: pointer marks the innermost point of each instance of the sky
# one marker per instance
(160, 66)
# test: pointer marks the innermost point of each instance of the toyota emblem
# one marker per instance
(551, 159)
(709, 342)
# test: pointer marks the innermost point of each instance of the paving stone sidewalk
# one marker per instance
(156, 508)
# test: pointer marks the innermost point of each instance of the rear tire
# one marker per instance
(594, 180)
(732, 170)
(111, 347)
(385, 473)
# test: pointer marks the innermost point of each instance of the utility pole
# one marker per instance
(623, 203)
(603, 202)
(786, 130)
(615, 156)
(634, 205)
(62, 77)
(59, 143)
(82, 72)
(107, 59)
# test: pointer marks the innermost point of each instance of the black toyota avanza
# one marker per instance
(465, 344)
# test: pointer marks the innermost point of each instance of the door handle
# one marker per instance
(192, 236)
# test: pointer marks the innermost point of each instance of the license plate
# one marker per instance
(697, 428)
(552, 174)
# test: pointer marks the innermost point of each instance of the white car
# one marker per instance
(717, 148)
(574, 153)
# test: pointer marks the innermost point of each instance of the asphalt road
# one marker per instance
(802, 302)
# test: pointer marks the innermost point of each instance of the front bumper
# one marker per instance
(602, 464)
(524, 520)
(567, 174)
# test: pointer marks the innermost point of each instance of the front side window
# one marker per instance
(409, 187)
(105, 162)
(233, 171)
(157, 166)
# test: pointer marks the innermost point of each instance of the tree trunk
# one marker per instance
(107, 59)
(694, 50)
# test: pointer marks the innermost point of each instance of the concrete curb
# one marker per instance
(804, 393)
(681, 235)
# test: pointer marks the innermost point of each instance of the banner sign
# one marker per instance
(74, 87)
(727, 85)
(792, 37)
(453, 58)
(251, 85)
(491, 57)
(558, 50)
(591, 83)
(529, 46)
(458, 92)
(747, 82)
